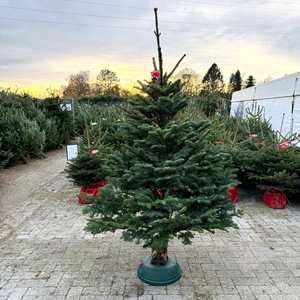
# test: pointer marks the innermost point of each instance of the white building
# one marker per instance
(278, 99)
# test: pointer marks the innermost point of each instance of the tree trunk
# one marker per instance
(160, 258)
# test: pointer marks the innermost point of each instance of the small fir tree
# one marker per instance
(87, 167)
(167, 180)
(275, 168)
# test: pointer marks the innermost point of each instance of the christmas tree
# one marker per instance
(87, 167)
(167, 181)
(276, 168)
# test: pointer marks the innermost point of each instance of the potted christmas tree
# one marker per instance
(275, 170)
(86, 169)
(167, 181)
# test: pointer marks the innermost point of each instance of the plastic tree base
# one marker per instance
(159, 275)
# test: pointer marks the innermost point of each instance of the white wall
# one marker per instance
(276, 98)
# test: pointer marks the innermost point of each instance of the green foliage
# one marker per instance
(105, 110)
(102, 100)
(167, 180)
(107, 83)
(30, 126)
(87, 168)
(159, 107)
(94, 146)
(20, 134)
(212, 81)
(5, 156)
(105, 118)
(59, 127)
(235, 83)
(250, 81)
(21, 137)
(247, 133)
(243, 138)
(253, 147)
(46, 113)
(272, 168)
(212, 104)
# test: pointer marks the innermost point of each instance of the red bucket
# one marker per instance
(92, 190)
(233, 191)
(275, 199)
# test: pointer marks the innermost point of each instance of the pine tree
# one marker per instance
(212, 81)
(167, 180)
(250, 81)
(235, 82)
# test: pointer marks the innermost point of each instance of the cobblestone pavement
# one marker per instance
(45, 253)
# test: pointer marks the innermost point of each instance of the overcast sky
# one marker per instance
(43, 42)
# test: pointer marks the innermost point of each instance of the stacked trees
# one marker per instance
(167, 180)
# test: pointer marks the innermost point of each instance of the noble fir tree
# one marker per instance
(275, 168)
(167, 181)
(94, 147)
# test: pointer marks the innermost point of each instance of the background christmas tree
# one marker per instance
(167, 180)
(94, 146)
(276, 169)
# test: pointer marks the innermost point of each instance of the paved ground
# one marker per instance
(45, 253)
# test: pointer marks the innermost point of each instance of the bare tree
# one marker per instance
(192, 82)
(78, 85)
(107, 83)
(268, 79)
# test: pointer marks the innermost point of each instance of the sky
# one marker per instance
(43, 42)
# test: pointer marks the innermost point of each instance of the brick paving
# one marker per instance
(46, 254)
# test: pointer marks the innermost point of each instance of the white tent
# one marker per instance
(278, 99)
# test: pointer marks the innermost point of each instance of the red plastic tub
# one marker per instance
(92, 190)
(233, 191)
(275, 199)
